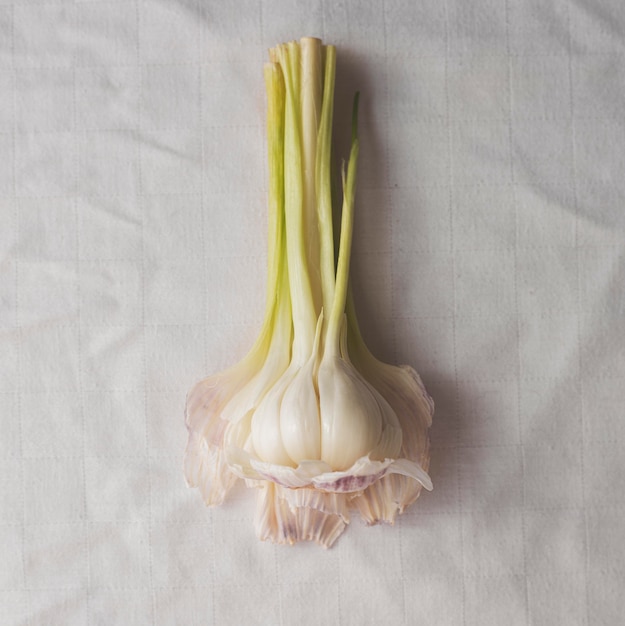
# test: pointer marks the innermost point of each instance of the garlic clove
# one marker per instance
(251, 395)
(351, 421)
(383, 500)
(274, 366)
(403, 389)
(299, 417)
(397, 490)
(265, 425)
(389, 445)
(299, 411)
(238, 433)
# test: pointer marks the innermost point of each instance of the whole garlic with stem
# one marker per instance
(310, 417)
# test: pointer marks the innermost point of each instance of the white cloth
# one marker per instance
(489, 254)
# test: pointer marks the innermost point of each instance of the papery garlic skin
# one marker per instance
(309, 516)
(205, 467)
(204, 461)
(310, 417)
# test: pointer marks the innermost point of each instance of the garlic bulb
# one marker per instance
(309, 417)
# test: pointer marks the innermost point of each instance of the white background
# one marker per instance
(489, 254)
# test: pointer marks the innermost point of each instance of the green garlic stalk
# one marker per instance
(309, 417)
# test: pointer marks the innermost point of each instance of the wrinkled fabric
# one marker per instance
(489, 254)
